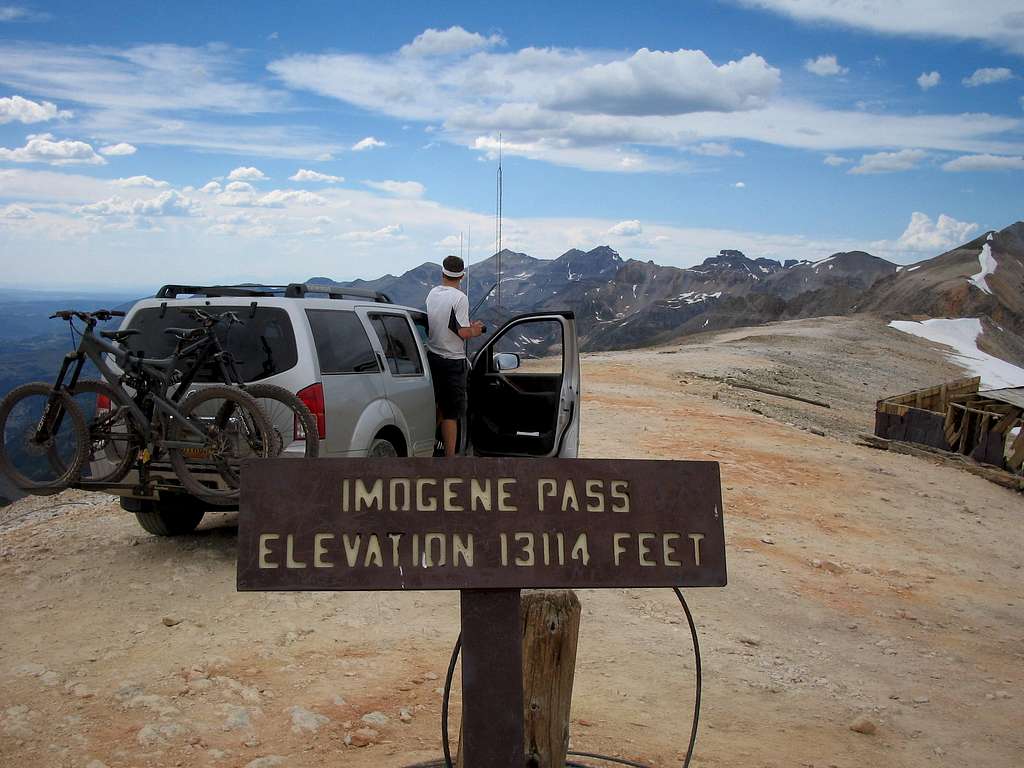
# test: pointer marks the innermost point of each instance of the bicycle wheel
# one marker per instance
(295, 429)
(236, 429)
(113, 441)
(24, 455)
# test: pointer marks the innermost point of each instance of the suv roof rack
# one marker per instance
(290, 291)
(335, 291)
(174, 291)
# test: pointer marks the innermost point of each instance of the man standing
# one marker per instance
(448, 321)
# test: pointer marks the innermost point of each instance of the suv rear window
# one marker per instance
(341, 342)
(263, 347)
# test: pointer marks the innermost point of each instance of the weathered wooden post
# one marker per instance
(489, 528)
(550, 624)
(551, 627)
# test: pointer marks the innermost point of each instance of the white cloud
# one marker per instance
(159, 77)
(985, 163)
(15, 211)
(47, 249)
(43, 148)
(665, 83)
(27, 111)
(604, 110)
(389, 232)
(166, 95)
(630, 228)
(407, 189)
(836, 160)
(928, 80)
(889, 162)
(169, 203)
(211, 187)
(740, 185)
(278, 198)
(443, 42)
(993, 21)
(988, 75)
(118, 150)
(246, 173)
(825, 65)
(12, 13)
(304, 175)
(141, 181)
(924, 235)
(715, 149)
(368, 143)
(243, 194)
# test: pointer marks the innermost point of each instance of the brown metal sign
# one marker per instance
(472, 523)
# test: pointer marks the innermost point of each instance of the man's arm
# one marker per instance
(459, 323)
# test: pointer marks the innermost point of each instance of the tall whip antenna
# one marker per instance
(497, 225)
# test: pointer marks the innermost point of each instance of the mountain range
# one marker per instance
(622, 303)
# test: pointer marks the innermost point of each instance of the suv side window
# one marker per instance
(400, 349)
(341, 342)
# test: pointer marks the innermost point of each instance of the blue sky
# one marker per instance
(240, 141)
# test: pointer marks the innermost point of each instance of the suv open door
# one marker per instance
(524, 389)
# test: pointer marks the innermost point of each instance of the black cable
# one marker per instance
(698, 675)
(606, 758)
(444, 702)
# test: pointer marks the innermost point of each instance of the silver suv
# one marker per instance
(359, 362)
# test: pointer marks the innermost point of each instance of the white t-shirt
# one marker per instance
(447, 311)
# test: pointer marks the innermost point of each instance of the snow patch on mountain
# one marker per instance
(988, 266)
(962, 335)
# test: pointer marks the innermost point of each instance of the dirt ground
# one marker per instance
(862, 584)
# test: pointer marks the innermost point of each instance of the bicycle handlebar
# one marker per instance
(100, 315)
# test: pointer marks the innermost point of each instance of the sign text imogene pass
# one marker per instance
(466, 523)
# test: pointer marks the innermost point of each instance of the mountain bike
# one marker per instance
(45, 439)
(294, 425)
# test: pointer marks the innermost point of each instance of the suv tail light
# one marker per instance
(102, 405)
(313, 397)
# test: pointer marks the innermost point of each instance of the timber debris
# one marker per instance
(959, 419)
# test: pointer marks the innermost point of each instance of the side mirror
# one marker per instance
(506, 361)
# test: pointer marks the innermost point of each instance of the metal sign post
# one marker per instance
(487, 527)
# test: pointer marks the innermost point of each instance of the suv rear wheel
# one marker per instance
(168, 516)
(382, 448)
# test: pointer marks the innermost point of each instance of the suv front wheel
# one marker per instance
(168, 516)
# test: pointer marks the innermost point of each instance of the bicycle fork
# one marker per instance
(53, 412)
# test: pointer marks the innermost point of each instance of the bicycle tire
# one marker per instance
(79, 443)
(121, 456)
(218, 430)
(297, 408)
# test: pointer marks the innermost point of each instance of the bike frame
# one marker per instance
(93, 347)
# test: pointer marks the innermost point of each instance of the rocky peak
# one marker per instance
(580, 265)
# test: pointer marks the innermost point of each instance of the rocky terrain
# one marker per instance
(873, 615)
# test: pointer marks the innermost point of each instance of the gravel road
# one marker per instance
(867, 590)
